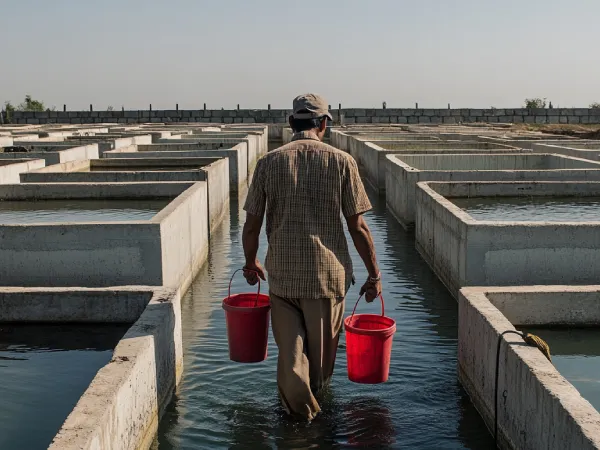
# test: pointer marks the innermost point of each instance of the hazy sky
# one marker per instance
(470, 53)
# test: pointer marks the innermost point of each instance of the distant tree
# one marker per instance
(110, 108)
(595, 105)
(531, 103)
(31, 105)
(10, 109)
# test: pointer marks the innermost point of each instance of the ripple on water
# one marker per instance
(224, 405)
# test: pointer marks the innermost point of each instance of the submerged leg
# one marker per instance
(292, 365)
(323, 318)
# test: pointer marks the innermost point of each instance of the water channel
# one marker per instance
(223, 405)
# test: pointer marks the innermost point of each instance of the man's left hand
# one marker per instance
(252, 271)
(371, 290)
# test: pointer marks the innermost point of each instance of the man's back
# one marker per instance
(306, 186)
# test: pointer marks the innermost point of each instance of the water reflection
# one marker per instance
(363, 422)
(44, 371)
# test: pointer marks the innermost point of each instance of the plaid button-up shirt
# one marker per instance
(305, 187)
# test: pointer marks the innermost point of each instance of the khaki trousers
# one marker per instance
(306, 332)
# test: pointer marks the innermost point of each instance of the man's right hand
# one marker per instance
(371, 290)
(252, 271)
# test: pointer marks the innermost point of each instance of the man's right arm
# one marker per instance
(363, 241)
(354, 203)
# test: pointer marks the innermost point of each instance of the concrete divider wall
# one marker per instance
(218, 190)
(252, 143)
(440, 239)
(6, 141)
(108, 143)
(287, 134)
(237, 156)
(215, 171)
(368, 155)
(339, 140)
(73, 305)
(106, 253)
(528, 142)
(405, 171)
(121, 408)
(59, 156)
(371, 156)
(184, 232)
(264, 132)
(586, 151)
(467, 252)
(537, 407)
(11, 170)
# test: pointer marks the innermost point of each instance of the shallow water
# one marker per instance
(44, 370)
(531, 209)
(576, 355)
(82, 210)
(224, 405)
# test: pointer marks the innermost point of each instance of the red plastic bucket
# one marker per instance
(247, 318)
(369, 346)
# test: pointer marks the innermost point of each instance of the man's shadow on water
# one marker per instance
(362, 422)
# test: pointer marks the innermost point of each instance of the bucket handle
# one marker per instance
(382, 305)
(231, 281)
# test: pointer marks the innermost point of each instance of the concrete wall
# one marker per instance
(238, 162)
(371, 156)
(586, 151)
(112, 142)
(73, 305)
(184, 230)
(107, 253)
(253, 144)
(405, 171)
(467, 252)
(538, 408)
(6, 141)
(350, 116)
(121, 408)
(528, 142)
(287, 134)
(59, 156)
(214, 171)
(10, 170)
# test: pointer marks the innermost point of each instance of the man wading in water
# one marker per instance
(304, 187)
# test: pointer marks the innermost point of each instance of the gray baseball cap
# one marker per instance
(310, 106)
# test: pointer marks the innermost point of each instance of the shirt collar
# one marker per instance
(305, 135)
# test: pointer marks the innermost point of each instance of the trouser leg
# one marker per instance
(323, 319)
(293, 373)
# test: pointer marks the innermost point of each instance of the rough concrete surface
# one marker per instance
(121, 408)
(405, 171)
(237, 156)
(214, 171)
(538, 408)
(107, 253)
(463, 251)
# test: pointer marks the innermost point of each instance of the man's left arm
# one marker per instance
(255, 209)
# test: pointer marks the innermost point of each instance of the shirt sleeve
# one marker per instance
(257, 198)
(354, 197)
